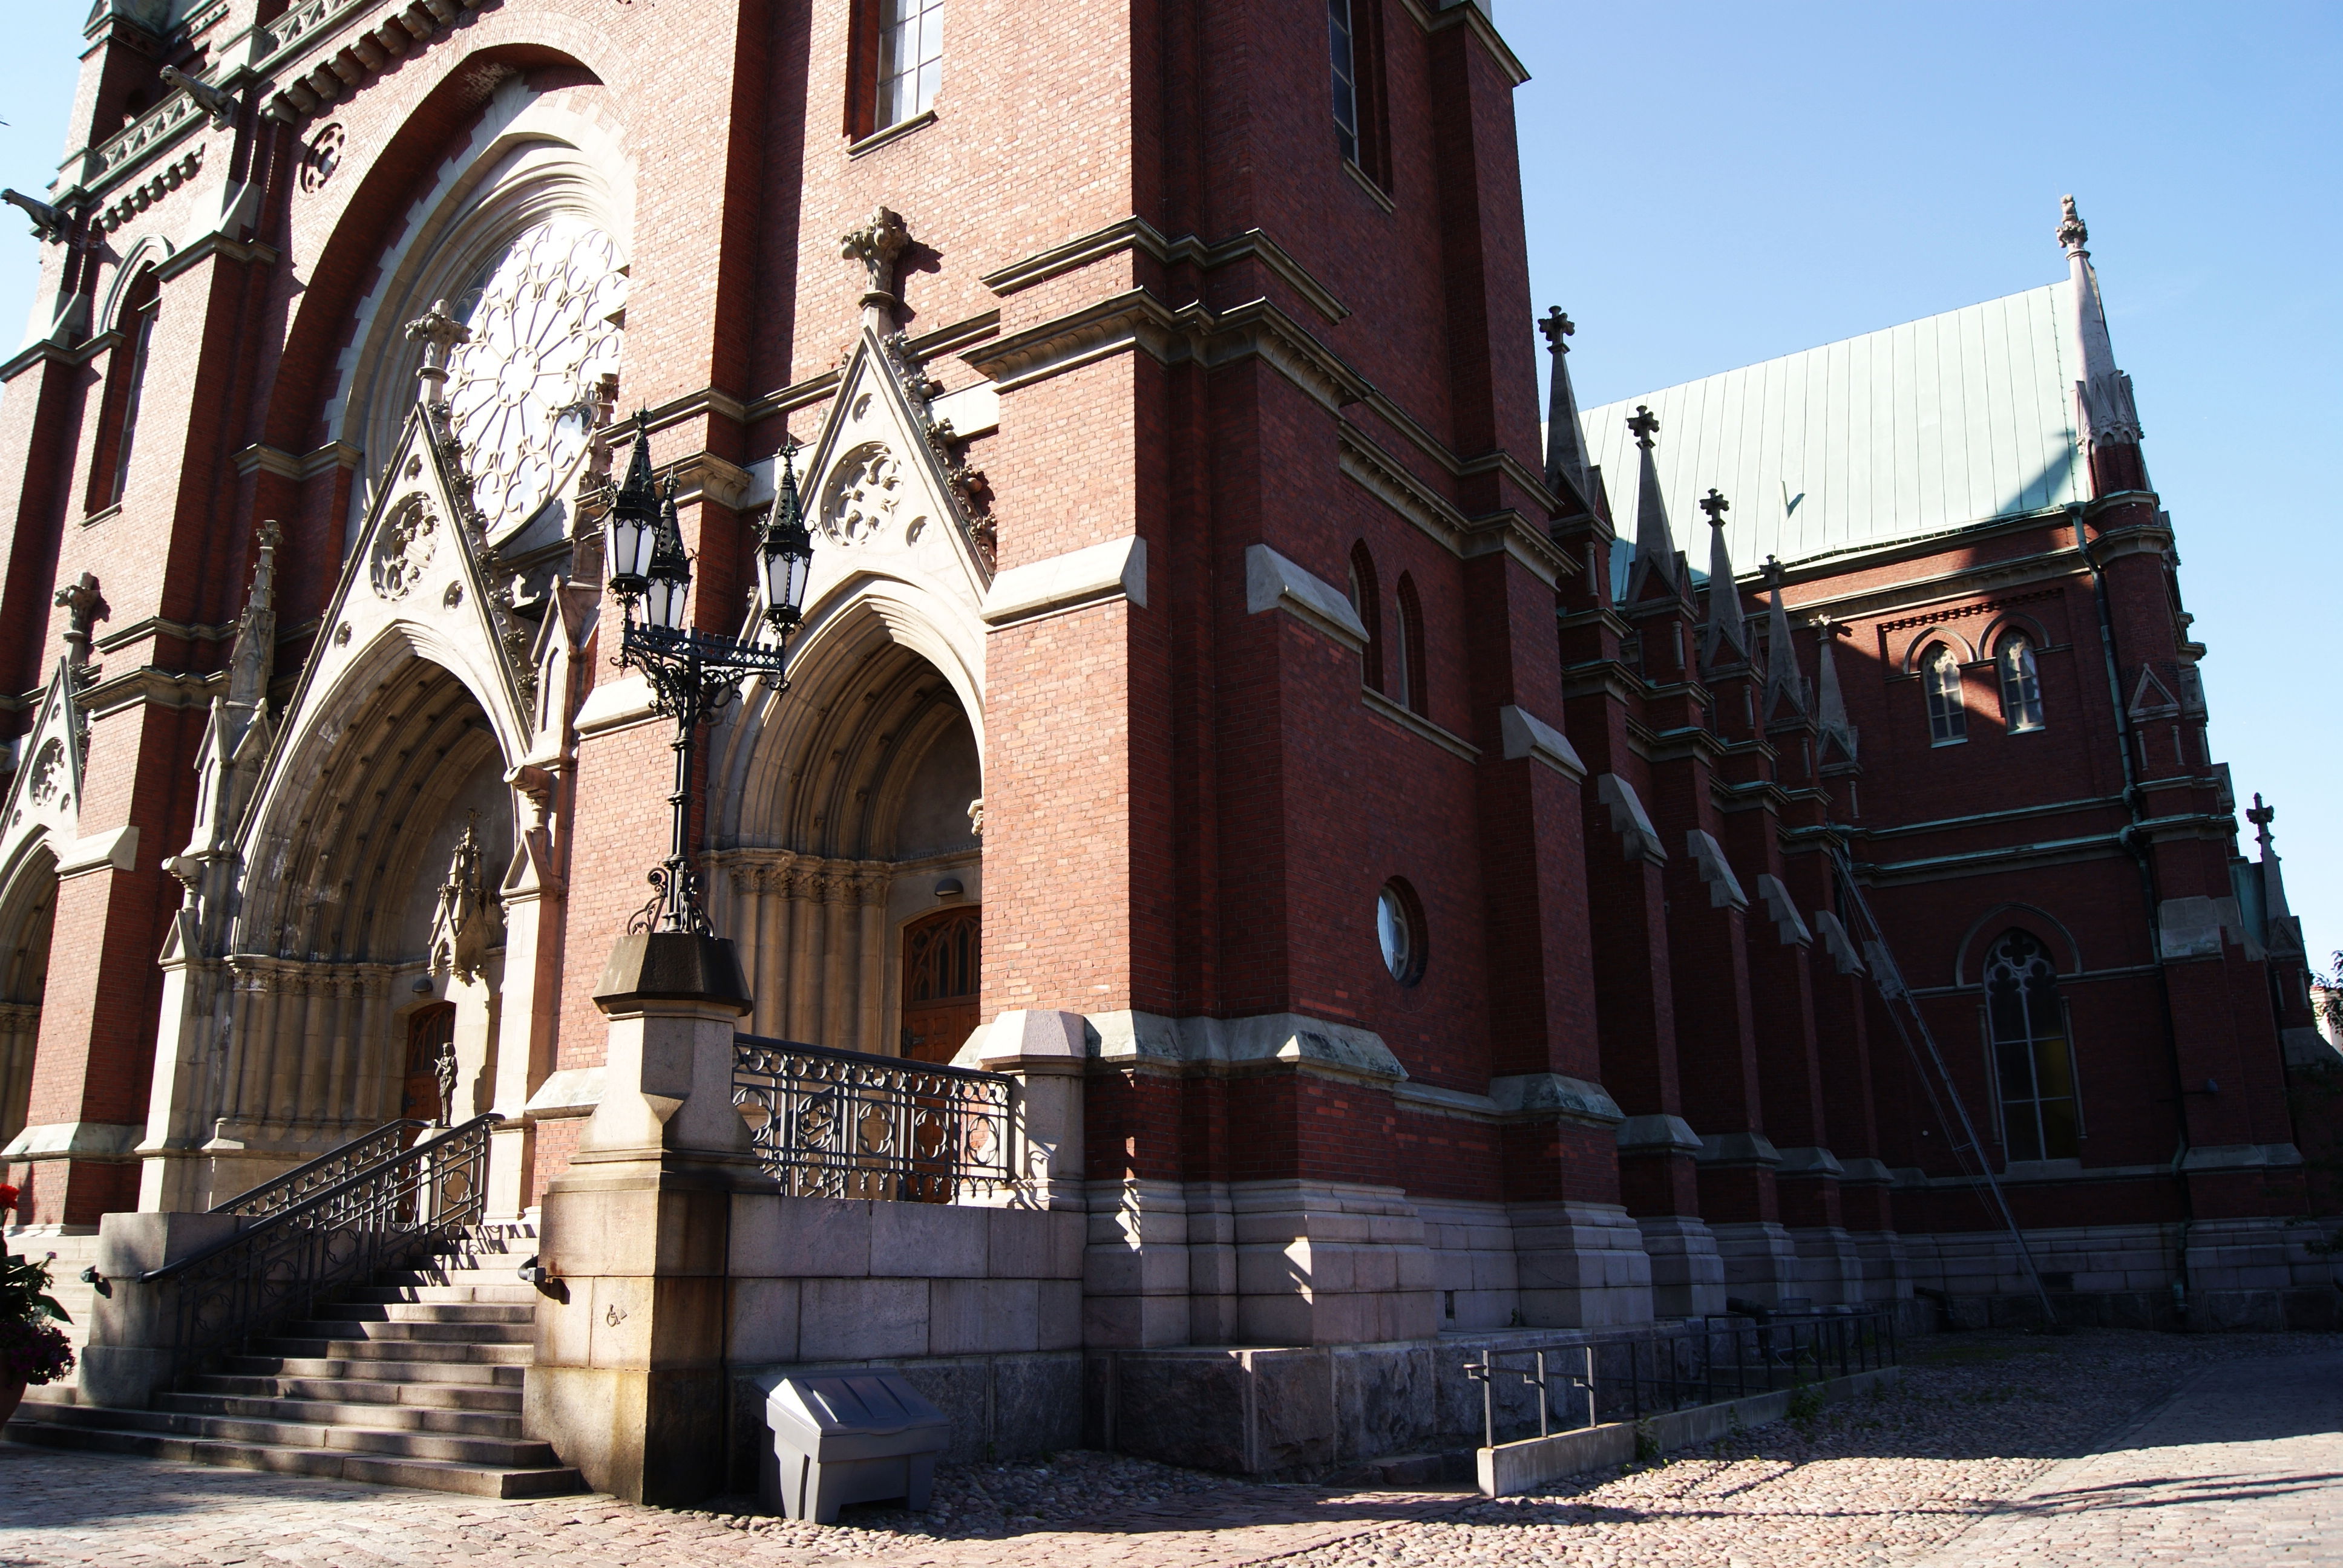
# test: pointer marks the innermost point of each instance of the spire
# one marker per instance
(1785, 681)
(1725, 626)
(254, 657)
(2103, 402)
(2273, 883)
(1831, 708)
(1565, 443)
(1656, 545)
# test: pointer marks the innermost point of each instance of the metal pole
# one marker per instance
(1543, 1400)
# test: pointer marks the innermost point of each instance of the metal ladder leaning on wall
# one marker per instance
(1929, 1064)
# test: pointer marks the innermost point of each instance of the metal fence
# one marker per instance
(325, 1170)
(277, 1269)
(1536, 1389)
(840, 1124)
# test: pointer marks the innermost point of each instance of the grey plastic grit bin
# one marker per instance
(854, 1437)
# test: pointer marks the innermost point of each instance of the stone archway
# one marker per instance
(369, 894)
(27, 920)
(860, 817)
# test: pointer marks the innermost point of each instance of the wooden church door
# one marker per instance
(939, 982)
(429, 1029)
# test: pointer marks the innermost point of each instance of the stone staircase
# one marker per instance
(413, 1380)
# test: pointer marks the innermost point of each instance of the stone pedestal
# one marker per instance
(1687, 1274)
(1045, 1052)
(630, 1380)
(134, 1346)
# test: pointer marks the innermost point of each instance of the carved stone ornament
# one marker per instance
(403, 551)
(862, 493)
(876, 245)
(322, 155)
(48, 773)
(467, 920)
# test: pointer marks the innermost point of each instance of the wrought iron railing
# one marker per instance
(277, 1269)
(326, 1170)
(840, 1124)
(1526, 1389)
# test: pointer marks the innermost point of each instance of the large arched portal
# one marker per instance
(858, 821)
(370, 895)
(28, 907)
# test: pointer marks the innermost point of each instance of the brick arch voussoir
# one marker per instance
(424, 119)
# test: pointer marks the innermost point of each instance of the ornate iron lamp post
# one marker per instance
(695, 674)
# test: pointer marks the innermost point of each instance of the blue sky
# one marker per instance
(1711, 185)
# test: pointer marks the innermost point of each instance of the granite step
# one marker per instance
(473, 1479)
(465, 1396)
(380, 1415)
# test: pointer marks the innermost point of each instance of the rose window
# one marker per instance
(546, 321)
(862, 494)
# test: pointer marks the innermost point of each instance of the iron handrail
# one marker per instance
(831, 1123)
(275, 1269)
(283, 1191)
(1704, 1361)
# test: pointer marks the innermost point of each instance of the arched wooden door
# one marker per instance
(429, 1030)
(940, 982)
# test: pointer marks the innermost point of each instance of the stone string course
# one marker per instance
(2239, 1468)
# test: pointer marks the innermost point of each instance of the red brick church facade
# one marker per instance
(1439, 875)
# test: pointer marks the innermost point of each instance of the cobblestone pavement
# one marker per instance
(2244, 1460)
(2243, 1467)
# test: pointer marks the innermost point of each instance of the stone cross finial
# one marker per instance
(1557, 326)
(1772, 571)
(1645, 425)
(2261, 817)
(2072, 235)
(83, 607)
(440, 334)
(1716, 506)
(876, 245)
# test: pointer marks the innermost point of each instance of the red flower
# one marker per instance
(7, 1197)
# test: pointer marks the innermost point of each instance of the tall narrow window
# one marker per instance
(2031, 1061)
(1940, 676)
(1367, 598)
(117, 426)
(2021, 690)
(1343, 37)
(1411, 686)
(911, 58)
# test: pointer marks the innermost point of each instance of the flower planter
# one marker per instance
(11, 1395)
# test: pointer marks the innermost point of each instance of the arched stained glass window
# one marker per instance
(2032, 1059)
(1940, 678)
(2021, 689)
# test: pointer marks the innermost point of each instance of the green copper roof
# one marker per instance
(1936, 425)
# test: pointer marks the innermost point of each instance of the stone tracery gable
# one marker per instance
(417, 586)
(43, 798)
(884, 491)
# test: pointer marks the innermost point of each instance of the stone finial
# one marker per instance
(1785, 681)
(467, 920)
(1726, 627)
(1645, 425)
(440, 334)
(1656, 543)
(83, 607)
(1565, 447)
(2261, 817)
(876, 245)
(254, 656)
(2072, 234)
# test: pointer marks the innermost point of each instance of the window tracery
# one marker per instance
(2032, 1059)
(2021, 686)
(1940, 678)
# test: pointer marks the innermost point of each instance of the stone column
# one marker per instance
(1045, 1052)
(629, 1383)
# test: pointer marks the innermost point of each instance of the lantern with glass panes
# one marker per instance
(694, 674)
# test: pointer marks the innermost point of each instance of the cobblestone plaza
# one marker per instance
(1998, 1449)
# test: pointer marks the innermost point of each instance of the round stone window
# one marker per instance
(1399, 928)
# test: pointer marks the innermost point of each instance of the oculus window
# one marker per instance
(1399, 930)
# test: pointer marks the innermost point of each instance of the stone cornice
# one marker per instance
(1468, 14)
(1137, 234)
